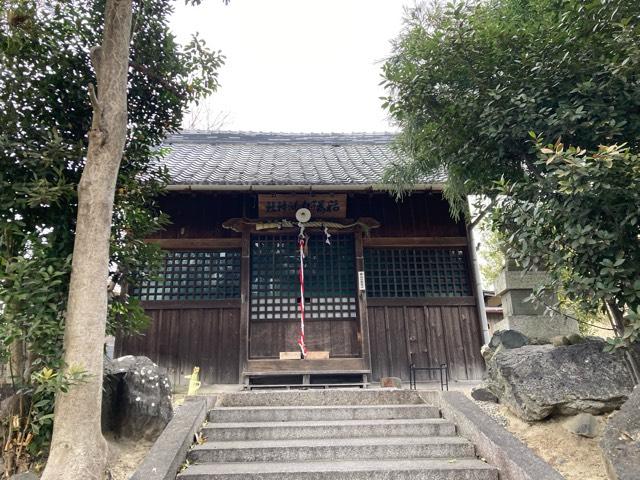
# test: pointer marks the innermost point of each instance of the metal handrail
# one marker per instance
(444, 375)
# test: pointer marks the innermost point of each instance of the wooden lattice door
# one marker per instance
(330, 294)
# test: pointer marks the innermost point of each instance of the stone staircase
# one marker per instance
(331, 434)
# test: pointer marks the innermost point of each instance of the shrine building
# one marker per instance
(386, 282)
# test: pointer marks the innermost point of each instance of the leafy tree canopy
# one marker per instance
(492, 254)
(467, 81)
(45, 114)
(580, 220)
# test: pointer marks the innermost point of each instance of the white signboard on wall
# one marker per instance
(361, 283)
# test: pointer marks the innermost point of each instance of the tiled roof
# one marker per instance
(240, 158)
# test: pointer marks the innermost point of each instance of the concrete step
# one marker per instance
(328, 429)
(333, 397)
(332, 449)
(414, 469)
(288, 414)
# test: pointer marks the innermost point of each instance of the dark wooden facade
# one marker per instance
(220, 337)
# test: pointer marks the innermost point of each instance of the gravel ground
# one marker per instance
(573, 456)
(494, 410)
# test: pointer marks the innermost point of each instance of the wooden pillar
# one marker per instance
(362, 302)
(245, 299)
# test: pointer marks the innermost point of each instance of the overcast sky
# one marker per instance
(297, 65)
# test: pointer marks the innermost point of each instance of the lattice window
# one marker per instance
(330, 278)
(195, 275)
(421, 272)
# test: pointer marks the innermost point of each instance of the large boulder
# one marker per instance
(536, 381)
(136, 401)
(621, 441)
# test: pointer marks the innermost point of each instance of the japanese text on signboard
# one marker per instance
(286, 206)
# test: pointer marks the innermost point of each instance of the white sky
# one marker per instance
(297, 65)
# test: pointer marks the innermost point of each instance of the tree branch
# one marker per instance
(153, 76)
(96, 59)
(482, 214)
(532, 169)
(94, 98)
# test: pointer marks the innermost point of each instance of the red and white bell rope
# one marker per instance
(301, 344)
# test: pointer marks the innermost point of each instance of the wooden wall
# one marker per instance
(340, 338)
(180, 338)
(435, 334)
(418, 215)
(200, 215)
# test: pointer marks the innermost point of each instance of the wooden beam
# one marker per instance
(421, 301)
(245, 295)
(473, 273)
(189, 304)
(415, 242)
(195, 243)
(363, 311)
(292, 367)
(261, 321)
(265, 225)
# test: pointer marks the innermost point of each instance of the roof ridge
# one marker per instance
(234, 159)
(279, 138)
(266, 132)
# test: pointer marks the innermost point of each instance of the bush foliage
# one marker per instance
(45, 114)
(468, 81)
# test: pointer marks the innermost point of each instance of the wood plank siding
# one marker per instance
(200, 215)
(267, 339)
(434, 334)
(220, 337)
(180, 338)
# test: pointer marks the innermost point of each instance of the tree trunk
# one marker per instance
(17, 362)
(78, 448)
(617, 322)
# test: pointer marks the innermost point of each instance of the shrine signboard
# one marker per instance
(286, 205)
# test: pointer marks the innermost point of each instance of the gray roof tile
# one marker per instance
(247, 158)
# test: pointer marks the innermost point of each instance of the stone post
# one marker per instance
(529, 318)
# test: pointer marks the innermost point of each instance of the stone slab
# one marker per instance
(519, 280)
(170, 449)
(326, 429)
(493, 443)
(288, 414)
(301, 450)
(539, 327)
(333, 397)
(515, 302)
(24, 476)
(414, 469)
